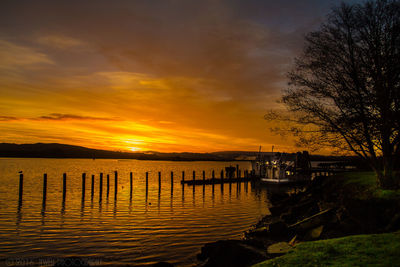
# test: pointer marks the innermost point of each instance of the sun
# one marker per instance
(134, 149)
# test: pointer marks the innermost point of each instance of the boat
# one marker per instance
(282, 168)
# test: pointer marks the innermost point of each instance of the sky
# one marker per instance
(159, 75)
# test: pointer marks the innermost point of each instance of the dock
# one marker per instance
(216, 181)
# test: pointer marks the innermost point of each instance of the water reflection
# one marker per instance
(115, 206)
(204, 193)
(130, 227)
(183, 195)
(159, 198)
(19, 213)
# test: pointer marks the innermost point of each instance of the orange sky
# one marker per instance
(165, 76)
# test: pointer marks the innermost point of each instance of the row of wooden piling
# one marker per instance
(64, 183)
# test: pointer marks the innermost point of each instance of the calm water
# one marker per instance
(170, 224)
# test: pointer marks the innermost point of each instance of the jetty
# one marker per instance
(230, 175)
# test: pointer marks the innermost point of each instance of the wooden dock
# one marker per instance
(216, 181)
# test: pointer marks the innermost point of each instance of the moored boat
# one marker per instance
(282, 168)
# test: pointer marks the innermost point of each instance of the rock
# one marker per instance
(278, 210)
(257, 232)
(279, 248)
(313, 221)
(301, 208)
(314, 233)
(278, 229)
(288, 217)
(394, 223)
(276, 197)
(292, 242)
(233, 253)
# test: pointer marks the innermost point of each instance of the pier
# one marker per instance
(228, 175)
(217, 181)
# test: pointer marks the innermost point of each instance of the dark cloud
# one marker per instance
(62, 117)
(58, 117)
(8, 118)
(243, 47)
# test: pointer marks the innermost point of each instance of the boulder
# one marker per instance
(279, 248)
(314, 233)
(394, 223)
(278, 210)
(278, 229)
(313, 221)
(233, 253)
(293, 241)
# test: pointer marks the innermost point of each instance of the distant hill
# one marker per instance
(54, 150)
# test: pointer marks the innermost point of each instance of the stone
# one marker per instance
(289, 217)
(278, 229)
(313, 221)
(292, 242)
(279, 248)
(277, 210)
(394, 223)
(314, 233)
(233, 253)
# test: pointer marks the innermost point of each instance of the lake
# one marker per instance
(169, 223)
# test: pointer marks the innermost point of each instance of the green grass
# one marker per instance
(360, 250)
(365, 186)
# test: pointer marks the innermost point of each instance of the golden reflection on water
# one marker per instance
(94, 218)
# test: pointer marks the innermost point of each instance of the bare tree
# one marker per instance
(344, 89)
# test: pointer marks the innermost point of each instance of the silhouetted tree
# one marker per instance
(344, 87)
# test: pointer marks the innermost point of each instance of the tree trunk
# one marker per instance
(387, 176)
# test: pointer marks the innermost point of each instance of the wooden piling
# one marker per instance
(237, 171)
(64, 186)
(159, 180)
(147, 180)
(21, 186)
(92, 186)
(131, 184)
(108, 185)
(204, 175)
(183, 175)
(194, 177)
(222, 181)
(44, 187)
(101, 186)
(83, 185)
(115, 183)
(213, 176)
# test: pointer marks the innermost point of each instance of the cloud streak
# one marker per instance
(16, 56)
(63, 117)
(58, 117)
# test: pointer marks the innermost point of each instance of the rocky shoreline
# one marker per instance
(324, 209)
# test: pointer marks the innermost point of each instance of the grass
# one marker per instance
(365, 186)
(360, 250)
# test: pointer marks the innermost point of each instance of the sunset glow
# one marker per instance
(114, 79)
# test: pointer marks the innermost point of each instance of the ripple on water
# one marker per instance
(160, 225)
